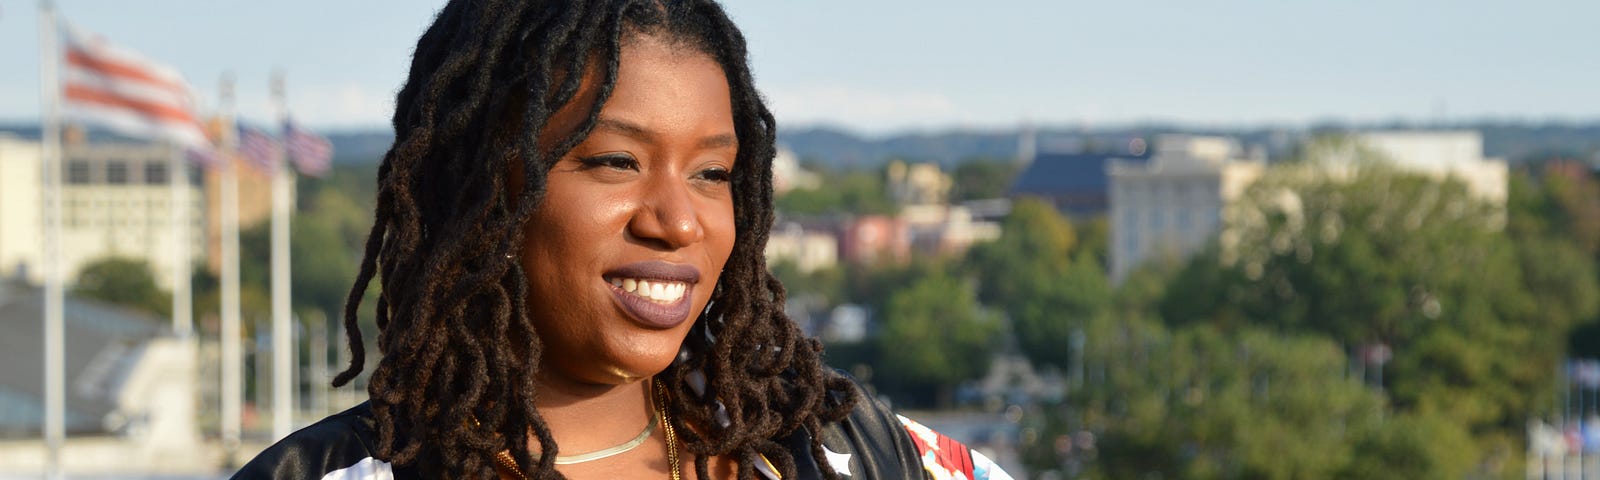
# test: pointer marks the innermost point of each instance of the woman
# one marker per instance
(569, 236)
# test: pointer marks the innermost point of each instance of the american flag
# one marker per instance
(312, 154)
(258, 148)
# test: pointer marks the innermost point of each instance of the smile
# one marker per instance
(658, 291)
(654, 294)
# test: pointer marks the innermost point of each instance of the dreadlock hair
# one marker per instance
(456, 381)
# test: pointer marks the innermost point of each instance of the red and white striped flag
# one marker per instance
(119, 89)
(312, 154)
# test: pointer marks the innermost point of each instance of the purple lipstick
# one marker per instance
(656, 294)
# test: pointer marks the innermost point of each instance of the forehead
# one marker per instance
(662, 87)
(655, 74)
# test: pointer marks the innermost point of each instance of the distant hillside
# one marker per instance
(1520, 143)
(840, 149)
(837, 148)
(359, 147)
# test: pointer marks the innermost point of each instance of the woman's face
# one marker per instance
(636, 221)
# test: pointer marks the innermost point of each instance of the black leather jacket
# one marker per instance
(877, 445)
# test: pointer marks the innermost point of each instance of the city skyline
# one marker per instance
(890, 67)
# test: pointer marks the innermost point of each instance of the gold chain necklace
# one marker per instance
(658, 413)
(668, 431)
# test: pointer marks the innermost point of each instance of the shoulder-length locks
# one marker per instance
(460, 355)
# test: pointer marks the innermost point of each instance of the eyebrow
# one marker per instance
(637, 131)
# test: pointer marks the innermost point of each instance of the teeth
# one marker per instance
(657, 291)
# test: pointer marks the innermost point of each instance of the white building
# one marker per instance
(115, 202)
(21, 203)
(1442, 154)
(1172, 205)
(810, 250)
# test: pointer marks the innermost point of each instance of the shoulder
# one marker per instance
(944, 457)
(336, 448)
(874, 442)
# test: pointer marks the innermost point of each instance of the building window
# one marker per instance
(155, 173)
(116, 172)
(1155, 219)
(1184, 220)
(77, 172)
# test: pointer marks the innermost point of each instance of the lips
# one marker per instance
(654, 294)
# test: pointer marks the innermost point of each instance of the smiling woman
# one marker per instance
(569, 237)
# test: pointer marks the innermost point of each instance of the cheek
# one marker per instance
(722, 234)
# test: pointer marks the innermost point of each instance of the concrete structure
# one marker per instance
(130, 396)
(1172, 205)
(114, 203)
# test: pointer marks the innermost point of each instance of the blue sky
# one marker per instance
(882, 66)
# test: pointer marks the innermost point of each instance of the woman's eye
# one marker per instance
(615, 161)
(716, 174)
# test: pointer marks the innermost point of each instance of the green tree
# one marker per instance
(1047, 313)
(851, 192)
(982, 178)
(1410, 446)
(1046, 288)
(934, 336)
(1368, 255)
(1201, 402)
(826, 284)
(123, 281)
(1094, 238)
(1034, 241)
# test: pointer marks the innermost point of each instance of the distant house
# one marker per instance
(810, 249)
(1076, 183)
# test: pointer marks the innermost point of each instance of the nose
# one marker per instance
(666, 215)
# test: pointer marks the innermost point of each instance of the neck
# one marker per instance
(588, 417)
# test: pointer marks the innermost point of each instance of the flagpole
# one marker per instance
(282, 336)
(181, 226)
(232, 367)
(54, 301)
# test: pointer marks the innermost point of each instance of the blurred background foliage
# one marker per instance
(1372, 324)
